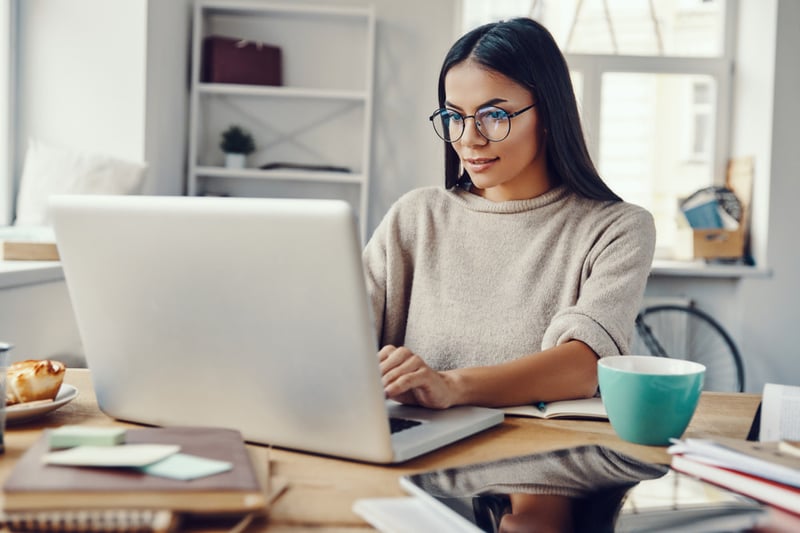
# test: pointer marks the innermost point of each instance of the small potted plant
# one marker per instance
(237, 143)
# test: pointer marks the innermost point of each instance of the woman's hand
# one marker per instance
(407, 379)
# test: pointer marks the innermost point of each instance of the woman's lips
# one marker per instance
(480, 164)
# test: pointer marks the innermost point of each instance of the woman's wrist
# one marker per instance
(455, 385)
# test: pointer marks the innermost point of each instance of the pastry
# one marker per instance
(31, 380)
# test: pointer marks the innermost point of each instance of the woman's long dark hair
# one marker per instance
(524, 51)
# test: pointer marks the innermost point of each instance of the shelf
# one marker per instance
(230, 89)
(701, 269)
(321, 114)
(19, 273)
(252, 8)
(295, 175)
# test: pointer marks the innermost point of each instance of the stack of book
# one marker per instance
(765, 471)
(766, 467)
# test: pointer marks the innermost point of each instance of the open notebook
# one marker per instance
(247, 313)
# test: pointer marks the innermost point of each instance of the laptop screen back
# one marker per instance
(235, 312)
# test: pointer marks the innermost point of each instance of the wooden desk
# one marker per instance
(322, 489)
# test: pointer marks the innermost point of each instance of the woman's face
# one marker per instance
(514, 168)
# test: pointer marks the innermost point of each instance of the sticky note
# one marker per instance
(124, 455)
(69, 436)
(186, 467)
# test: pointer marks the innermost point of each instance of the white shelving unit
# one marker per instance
(320, 116)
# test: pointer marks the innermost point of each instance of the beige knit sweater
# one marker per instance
(463, 281)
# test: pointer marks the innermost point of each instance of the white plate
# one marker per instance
(23, 412)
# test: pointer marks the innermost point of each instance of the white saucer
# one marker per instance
(23, 412)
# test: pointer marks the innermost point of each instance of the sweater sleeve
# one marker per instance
(375, 273)
(388, 270)
(614, 276)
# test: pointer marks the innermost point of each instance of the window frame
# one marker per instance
(593, 66)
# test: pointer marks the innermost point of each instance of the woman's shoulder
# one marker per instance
(418, 200)
(422, 195)
(618, 210)
(614, 219)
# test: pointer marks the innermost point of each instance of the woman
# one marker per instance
(505, 287)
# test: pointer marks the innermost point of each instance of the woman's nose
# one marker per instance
(471, 135)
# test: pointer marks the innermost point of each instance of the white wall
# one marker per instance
(413, 38)
(82, 74)
(7, 50)
(37, 319)
(770, 311)
(106, 77)
(166, 90)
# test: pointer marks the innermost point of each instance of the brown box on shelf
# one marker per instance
(710, 243)
(718, 243)
(229, 60)
(722, 243)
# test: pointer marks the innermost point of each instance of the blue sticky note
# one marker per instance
(186, 467)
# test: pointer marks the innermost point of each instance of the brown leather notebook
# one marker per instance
(33, 485)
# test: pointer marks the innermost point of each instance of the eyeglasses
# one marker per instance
(493, 123)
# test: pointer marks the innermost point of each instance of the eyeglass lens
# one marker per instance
(492, 122)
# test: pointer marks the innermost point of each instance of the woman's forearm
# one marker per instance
(564, 372)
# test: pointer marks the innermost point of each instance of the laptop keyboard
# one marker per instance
(399, 424)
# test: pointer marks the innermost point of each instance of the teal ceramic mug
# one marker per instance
(649, 400)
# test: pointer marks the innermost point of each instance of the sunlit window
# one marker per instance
(651, 78)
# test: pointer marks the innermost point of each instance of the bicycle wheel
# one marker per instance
(685, 332)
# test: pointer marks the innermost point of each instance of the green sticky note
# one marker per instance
(69, 436)
(186, 467)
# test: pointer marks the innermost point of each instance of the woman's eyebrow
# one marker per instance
(493, 101)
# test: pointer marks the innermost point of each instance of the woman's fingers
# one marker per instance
(408, 379)
(392, 357)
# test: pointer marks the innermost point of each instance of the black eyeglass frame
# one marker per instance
(464, 122)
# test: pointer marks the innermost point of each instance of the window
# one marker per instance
(653, 79)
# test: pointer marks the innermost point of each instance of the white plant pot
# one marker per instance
(235, 160)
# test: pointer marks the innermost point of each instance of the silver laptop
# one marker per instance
(238, 312)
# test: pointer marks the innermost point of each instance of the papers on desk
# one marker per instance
(780, 405)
